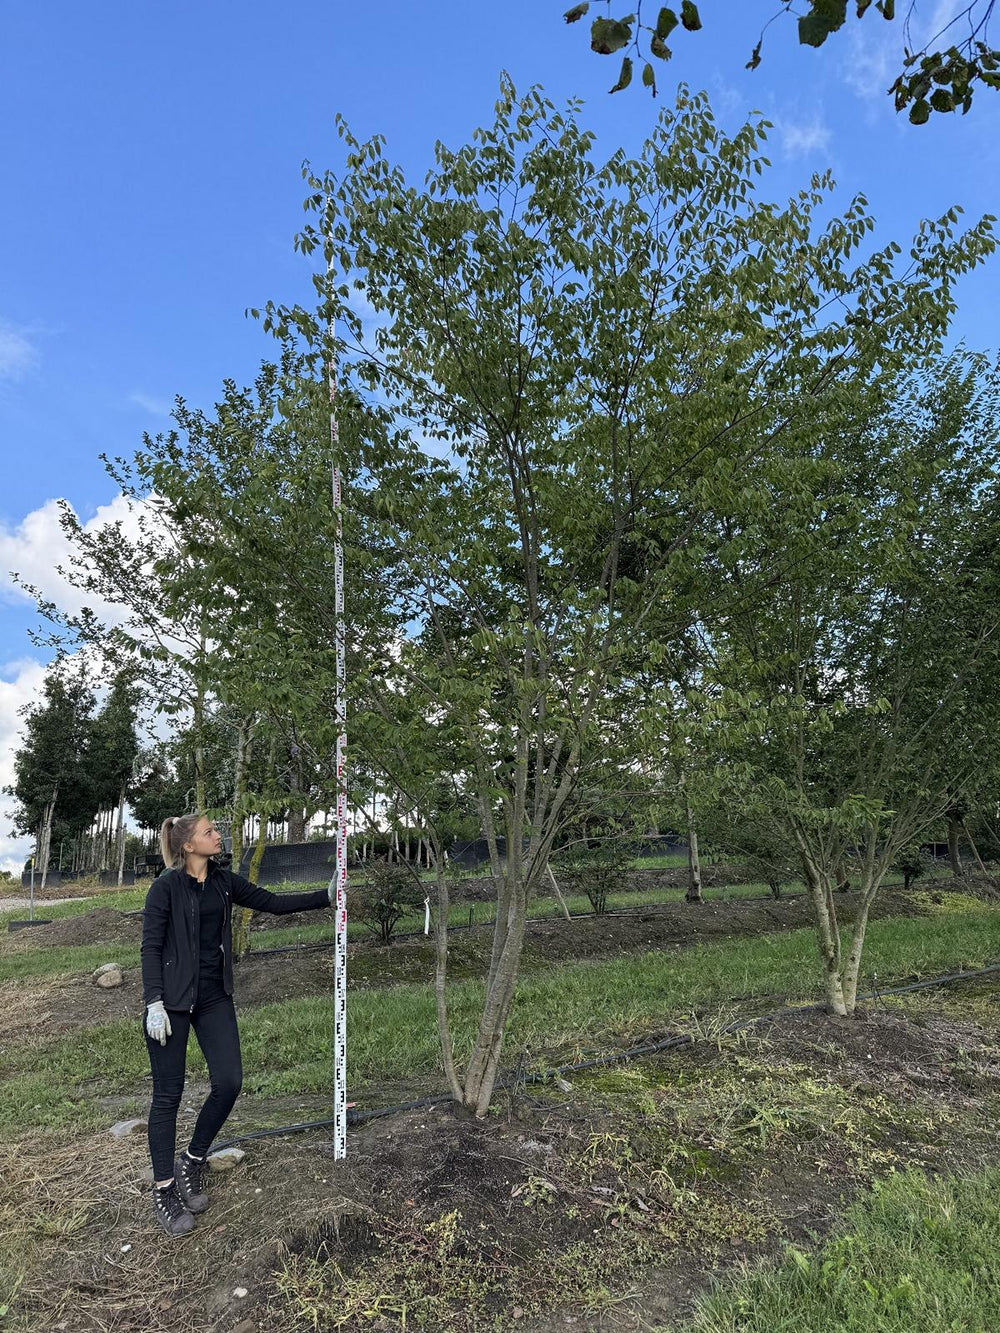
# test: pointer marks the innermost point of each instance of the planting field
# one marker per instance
(803, 1171)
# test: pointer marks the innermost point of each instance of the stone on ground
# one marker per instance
(226, 1158)
(107, 975)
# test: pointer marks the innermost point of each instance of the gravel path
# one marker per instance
(17, 904)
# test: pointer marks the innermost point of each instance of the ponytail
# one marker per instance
(174, 833)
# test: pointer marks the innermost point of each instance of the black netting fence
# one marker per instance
(294, 862)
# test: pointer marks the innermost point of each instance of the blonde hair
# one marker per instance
(174, 833)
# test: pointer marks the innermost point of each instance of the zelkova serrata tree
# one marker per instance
(576, 366)
(854, 690)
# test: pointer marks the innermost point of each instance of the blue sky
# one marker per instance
(151, 173)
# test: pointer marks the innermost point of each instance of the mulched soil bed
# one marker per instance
(519, 1190)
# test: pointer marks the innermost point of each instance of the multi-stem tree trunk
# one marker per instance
(841, 972)
(820, 888)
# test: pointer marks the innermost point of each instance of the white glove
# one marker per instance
(157, 1022)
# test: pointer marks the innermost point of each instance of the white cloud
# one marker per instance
(20, 684)
(874, 52)
(875, 49)
(17, 351)
(156, 407)
(38, 545)
(801, 140)
(945, 12)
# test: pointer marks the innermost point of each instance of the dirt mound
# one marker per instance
(889, 1048)
(101, 926)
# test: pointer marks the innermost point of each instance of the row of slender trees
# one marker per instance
(662, 498)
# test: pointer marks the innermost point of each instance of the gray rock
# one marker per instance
(107, 976)
(226, 1159)
(124, 1128)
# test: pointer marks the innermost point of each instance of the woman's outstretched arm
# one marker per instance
(262, 900)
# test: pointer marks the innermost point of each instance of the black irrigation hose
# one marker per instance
(355, 1117)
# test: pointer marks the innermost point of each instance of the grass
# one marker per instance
(558, 1015)
(919, 1255)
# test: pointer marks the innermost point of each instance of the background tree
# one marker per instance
(52, 781)
(851, 696)
(112, 764)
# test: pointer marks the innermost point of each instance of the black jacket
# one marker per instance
(171, 925)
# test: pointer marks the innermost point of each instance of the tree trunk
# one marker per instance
(693, 894)
(827, 929)
(440, 979)
(955, 859)
(975, 852)
(843, 879)
(120, 837)
(199, 751)
(243, 743)
(484, 1062)
(241, 930)
(45, 836)
(244, 915)
(852, 967)
(558, 892)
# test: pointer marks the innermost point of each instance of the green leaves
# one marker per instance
(610, 35)
(961, 67)
(625, 77)
(920, 112)
(826, 16)
(666, 22)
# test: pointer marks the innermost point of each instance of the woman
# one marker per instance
(187, 981)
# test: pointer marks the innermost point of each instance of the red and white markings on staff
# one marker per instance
(340, 1103)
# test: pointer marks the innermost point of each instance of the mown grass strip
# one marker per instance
(560, 1012)
(63, 959)
(919, 1255)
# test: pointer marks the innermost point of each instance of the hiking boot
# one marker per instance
(189, 1177)
(170, 1212)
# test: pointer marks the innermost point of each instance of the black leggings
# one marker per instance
(214, 1023)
